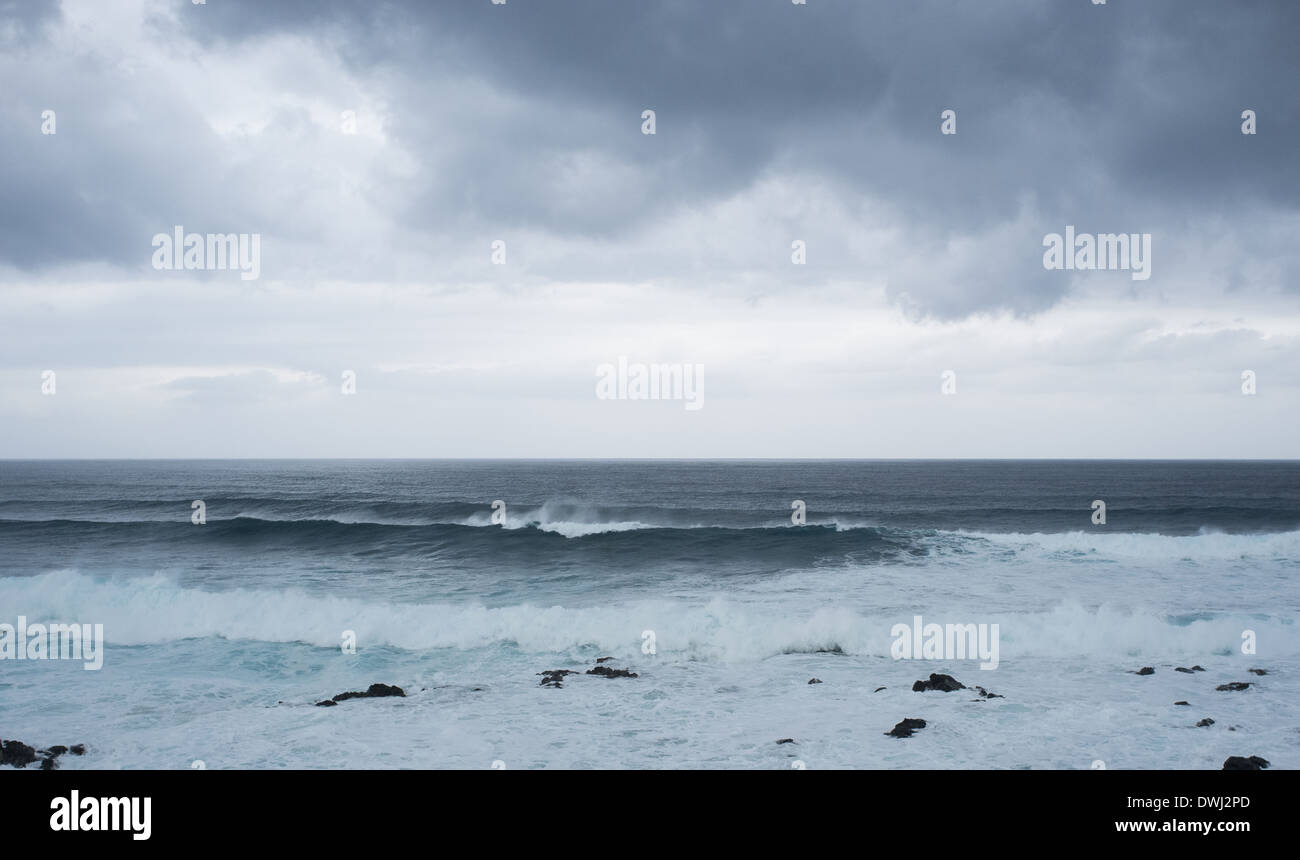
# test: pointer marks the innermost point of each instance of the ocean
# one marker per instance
(697, 576)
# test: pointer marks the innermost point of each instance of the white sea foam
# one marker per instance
(1207, 546)
(155, 609)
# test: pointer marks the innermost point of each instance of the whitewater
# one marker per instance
(222, 637)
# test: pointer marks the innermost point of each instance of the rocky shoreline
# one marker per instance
(16, 754)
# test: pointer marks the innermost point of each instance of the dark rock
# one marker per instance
(1180, 703)
(1258, 671)
(905, 728)
(878, 689)
(1235, 686)
(607, 672)
(381, 690)
(834, 649)
(555, 677)
(16, 753)
(1236, 762)
(375, 691)
(1183, 669)
(944, 683)
(1145, 670)
(603, 659)
(1205, 722)
(786, 741)
(328, 703)
(1198, 668)
(814, 680)
(985, 694)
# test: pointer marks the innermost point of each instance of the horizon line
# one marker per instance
(671, 459)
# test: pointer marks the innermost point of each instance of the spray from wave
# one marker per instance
(154, 610)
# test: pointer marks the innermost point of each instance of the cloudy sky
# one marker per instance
(472, 123)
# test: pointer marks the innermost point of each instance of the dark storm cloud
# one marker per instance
(1152, 90)
(1122, 117)
(100, 192)
(22, 20)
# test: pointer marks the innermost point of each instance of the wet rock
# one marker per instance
(814, 680)
(985, 694)
(1145, 670)
(374, 691)
(603, 659)
(834, 649)
(51, 754)
(555, 677)
(1180, 703)
(1236, 762)
(906, 727)
(19, 754)
(608, 672)
(943, 683)
(1258, 671)
(1233, 687)
(786, 741)
(16, 753)
(1191, 670)
(878, 689)
(1205, 722)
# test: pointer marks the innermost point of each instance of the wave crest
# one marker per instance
(153, 610)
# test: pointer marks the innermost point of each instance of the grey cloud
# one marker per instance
(525, 117)
(24, 21)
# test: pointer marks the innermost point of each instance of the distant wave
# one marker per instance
(1209, 545)
(530, 535)
(575, 528)
(570, 519)
(1051, 528)
(156, 610)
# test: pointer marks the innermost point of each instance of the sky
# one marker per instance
(460, 216)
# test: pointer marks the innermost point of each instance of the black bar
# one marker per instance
(331, 809)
